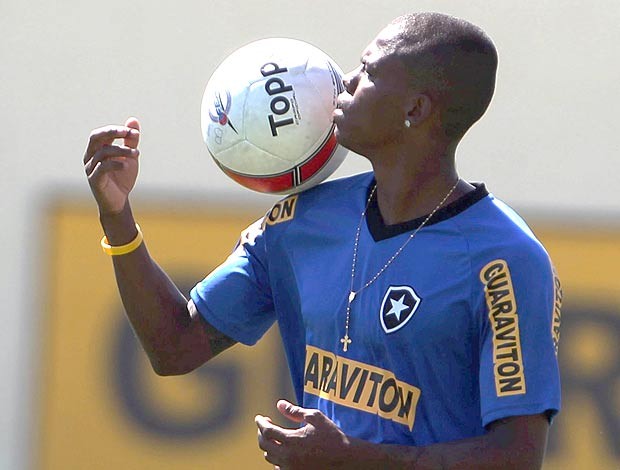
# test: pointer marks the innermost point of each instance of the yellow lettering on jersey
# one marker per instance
(557, 310)
(360, 386)
(507, 357)
(282, 211)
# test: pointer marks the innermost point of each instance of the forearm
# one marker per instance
(462, 455)
(155, 307)
(515, 443)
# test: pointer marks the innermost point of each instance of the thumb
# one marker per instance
(290, 411)
(133, 123)
(133, 137)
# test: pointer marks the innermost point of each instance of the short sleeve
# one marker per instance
(519, 300)
(236, 298)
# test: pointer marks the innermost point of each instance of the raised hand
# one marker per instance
(112, 168)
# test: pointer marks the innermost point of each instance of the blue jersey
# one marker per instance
(459, 330)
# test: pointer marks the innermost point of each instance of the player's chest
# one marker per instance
(421, 296)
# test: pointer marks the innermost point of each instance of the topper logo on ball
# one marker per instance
(220, 110)
(280, 104)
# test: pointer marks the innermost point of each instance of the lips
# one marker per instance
(342, 104)
(342, 101)
(337, 115)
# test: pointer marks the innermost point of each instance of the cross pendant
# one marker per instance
(345, 342)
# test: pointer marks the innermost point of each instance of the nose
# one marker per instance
(350, 80)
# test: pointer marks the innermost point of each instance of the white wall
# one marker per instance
(548, 144)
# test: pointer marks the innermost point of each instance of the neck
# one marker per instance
(412, 186)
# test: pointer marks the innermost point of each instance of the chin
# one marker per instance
(353, 139)
(342, 140)
(343, 137)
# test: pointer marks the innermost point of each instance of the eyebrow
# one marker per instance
(369, 62)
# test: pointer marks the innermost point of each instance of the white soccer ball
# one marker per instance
(267, 115)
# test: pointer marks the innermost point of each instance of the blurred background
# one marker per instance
(75, 390)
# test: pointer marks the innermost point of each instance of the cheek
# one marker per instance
(364, 97)
(373, 116)
(364, 109)
(376, 103)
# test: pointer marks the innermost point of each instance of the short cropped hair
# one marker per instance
(452, 58)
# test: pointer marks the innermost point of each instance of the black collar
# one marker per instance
(380, 231)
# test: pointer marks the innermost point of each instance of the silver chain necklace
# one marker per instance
(346, 340)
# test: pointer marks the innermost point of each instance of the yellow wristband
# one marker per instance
(122, 249)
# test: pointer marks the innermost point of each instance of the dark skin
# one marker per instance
(175, 341)
(414, 168)
(512, 443)
(425, 160)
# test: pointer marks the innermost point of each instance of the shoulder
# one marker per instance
(326, 197)
(493, 224)
(496, 233)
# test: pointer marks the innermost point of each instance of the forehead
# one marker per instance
(384, 45)
(383, 50)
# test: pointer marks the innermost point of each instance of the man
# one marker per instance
(417, 311)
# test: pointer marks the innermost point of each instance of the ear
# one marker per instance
(419, 109)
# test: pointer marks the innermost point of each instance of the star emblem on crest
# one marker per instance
(398, 307)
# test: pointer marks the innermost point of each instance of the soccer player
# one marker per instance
(419, 314)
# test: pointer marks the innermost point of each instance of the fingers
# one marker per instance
(108, 134)
(133, 123)
(292, 412)
(133, 137)
(270, 439)
(268, 430)
(299, 414)
(271, 450)
(106, 167)
(110, 153)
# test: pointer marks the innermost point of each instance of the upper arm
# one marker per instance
(519, 373)
(214, 341)
(236, 297)
(197, 342)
